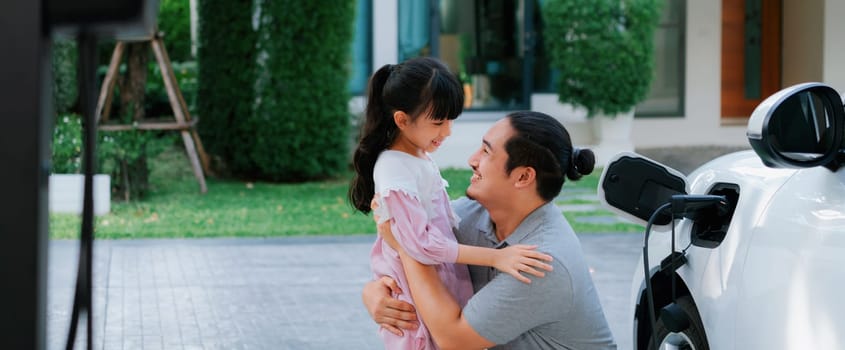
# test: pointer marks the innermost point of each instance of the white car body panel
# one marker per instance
(794, 274)
(771, 273)
(732, 284)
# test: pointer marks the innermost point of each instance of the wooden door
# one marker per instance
(751, 54)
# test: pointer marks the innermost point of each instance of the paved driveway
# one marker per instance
(279, 293)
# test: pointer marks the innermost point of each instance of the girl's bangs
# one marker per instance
(445, 98)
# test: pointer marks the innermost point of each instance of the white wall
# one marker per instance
(385, 33)
(803, 40)
(701, 124)
(834, 45)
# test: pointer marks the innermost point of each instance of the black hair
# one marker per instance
(541, 142)
(418, 86)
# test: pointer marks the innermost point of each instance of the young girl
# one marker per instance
(409, 113)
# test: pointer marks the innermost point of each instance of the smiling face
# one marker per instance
(489, 178)
(423, 134)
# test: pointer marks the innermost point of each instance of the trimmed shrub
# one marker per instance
(226, 71)
(603, 49)
(301, 121)
(124, 155)
(67, 145)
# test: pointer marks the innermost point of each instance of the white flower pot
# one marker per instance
(66, 193)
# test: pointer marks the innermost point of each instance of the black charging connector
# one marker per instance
(672, 263)
(691, 206)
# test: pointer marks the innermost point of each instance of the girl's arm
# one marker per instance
(428, 245)
(410, 227)
(511, 260)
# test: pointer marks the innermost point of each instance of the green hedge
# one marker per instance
(301, 120)
(272, 102)
(64, 61)
(174, 19)
(225, 80)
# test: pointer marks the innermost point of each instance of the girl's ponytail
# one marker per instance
(377, 134)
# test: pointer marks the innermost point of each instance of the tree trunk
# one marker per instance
(132, 86)
(132, 92)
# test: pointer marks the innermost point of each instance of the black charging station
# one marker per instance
(26, 107)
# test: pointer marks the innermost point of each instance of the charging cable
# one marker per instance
(87, 44)
(680, 206)
(646, 274)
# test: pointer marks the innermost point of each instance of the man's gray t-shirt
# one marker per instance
(558, 311)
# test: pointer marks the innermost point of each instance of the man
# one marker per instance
(519, 169)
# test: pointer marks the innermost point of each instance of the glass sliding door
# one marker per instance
(485, 42)
(362, 48)
(666, 95)
(414, 29)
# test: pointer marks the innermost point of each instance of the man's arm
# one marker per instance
(438, 308)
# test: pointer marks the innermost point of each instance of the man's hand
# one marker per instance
(390, 313)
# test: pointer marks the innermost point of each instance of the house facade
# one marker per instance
(715, 61)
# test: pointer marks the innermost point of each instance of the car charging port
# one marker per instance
(711, 225)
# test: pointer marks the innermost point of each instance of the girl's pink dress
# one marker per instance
(412, 195)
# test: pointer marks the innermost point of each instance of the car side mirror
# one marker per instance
(801, 126)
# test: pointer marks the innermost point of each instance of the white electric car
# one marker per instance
(758, 236)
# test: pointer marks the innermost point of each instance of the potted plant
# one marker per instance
(66, 181)
(603, 51)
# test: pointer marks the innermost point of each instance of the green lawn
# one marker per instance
(175, 209)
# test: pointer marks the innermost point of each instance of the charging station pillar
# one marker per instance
(24, 154)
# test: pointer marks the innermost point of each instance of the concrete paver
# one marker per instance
(254, 293)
